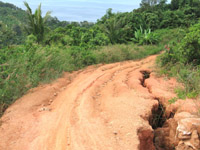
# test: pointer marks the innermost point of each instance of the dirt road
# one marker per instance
(106, 107)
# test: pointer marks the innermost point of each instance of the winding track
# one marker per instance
(99, 108)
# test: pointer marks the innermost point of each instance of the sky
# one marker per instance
(79, 10)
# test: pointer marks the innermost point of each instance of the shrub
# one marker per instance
(24, 67)
(187, 51)
(100, 39)
(82, 57)
(190, 46)
(145, 37)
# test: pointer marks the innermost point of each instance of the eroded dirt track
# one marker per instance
(99, 108)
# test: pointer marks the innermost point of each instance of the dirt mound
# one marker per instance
(106, 107)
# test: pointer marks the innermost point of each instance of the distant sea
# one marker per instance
(79, 10)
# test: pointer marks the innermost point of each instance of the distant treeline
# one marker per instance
(117, 27)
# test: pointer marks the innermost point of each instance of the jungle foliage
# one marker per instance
(117, 27)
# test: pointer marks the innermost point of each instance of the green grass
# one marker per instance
(173, 100)
(170, 36)
(188, 74)
(122, 52)
(25, 69)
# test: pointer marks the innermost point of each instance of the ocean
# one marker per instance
(79, 10)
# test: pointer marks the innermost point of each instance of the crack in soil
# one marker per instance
(156, 120)
(146, 75)
(158, 116)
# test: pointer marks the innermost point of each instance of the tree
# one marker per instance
(115, 30)
(7, 36)
(176, 4)
(36, 23)
(149, 2)
(109, 14)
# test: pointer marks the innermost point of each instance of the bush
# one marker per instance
(24, 67)
(190, 46)
(187, 51)
(145, 37)
(82, 57)
(100, 39)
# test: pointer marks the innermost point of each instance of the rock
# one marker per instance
(188, 133)
(183, 115)
(184, 136)
(195, 140)
(172, 133)
(182, 146)
(115, 132)
(187, 126)
(44, 109)
(181, 132)
(188, 105)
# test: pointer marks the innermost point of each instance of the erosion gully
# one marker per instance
(157, 119)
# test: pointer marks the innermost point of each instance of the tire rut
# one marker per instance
(100, 108)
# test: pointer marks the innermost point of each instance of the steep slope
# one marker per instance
(12, 15)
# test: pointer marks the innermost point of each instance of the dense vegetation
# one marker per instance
(182, 60)
(11, 20)
(41, 48)
(11, 15)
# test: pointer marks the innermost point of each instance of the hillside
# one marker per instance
(12, 20)
(12, 15)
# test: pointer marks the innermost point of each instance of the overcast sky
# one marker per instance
(79, 10)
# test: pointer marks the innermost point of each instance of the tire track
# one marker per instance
(99, 109)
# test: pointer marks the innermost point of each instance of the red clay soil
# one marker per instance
(102, 107)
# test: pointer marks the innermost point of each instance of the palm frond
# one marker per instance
(46, 17)
(35, 23)
(28, 7)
